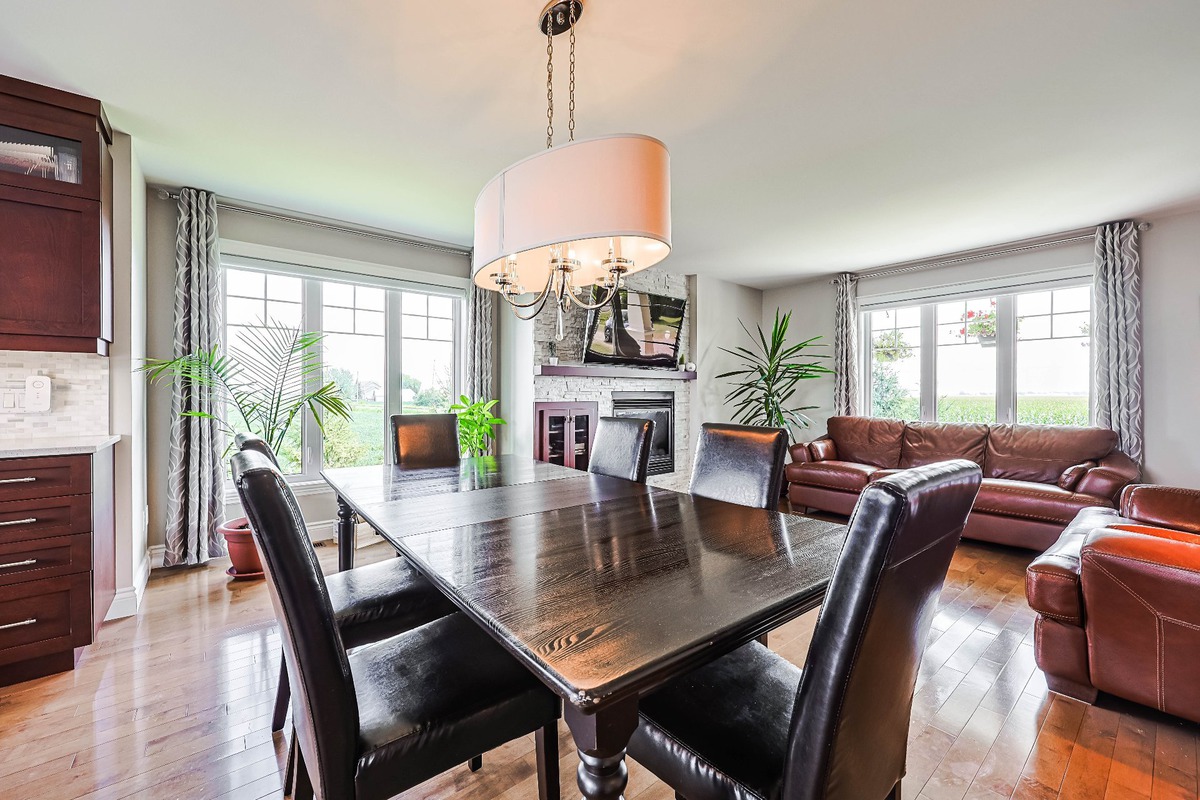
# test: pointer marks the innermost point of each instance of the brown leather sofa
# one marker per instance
(1118, 602)
(1036, 478)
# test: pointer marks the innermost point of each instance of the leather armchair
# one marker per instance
(1118, 602)
(378, 720)
(752, 726)
(622, 448)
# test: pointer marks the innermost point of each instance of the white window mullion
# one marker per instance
(394, 371)
(312, 445)
(866, 375)
(1006, 358)
(929, 362)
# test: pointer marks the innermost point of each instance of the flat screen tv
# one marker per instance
(636, 328)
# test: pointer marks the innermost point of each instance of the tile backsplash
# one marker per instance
(79, 386)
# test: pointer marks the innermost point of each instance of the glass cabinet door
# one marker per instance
(40, 155)
(555, 445)
(581, 429)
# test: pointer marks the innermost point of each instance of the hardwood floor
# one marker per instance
(177, 703)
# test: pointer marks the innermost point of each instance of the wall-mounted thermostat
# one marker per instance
(37, 394)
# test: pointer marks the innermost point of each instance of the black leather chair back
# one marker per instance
(740, 464)
(425, 440)
(850, 725)
(622, 448)
(324, 707)
(249, 441)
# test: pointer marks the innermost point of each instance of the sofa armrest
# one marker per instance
(1072, 475)
(1164, 506)
(1114, 472)
(1052, 584)
(1158, 563)
(823, 449)
(800, 453)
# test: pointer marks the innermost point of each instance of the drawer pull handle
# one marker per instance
(17, 480)
(27, 562)
(20, 624)
(28, 521)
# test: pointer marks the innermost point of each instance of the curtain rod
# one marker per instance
(965, 256)
(282, 216)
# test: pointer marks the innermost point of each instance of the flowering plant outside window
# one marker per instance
(980, 324)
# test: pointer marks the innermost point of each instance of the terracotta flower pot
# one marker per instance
(242, 551)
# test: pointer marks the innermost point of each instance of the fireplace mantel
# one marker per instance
(597, 371)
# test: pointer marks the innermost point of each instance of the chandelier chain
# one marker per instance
(571, 85)
(549, 84)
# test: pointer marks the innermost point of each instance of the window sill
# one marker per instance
(302, 487)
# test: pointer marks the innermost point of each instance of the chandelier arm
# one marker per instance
(612, 290)
(541, 304)
(539, 301)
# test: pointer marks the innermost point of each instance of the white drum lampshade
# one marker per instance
(592, 200)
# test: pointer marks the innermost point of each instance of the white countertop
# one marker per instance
(55, 446)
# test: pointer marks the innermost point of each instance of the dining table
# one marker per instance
(603, 588)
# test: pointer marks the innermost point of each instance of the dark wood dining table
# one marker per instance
(603, 588)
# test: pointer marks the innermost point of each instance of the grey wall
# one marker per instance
(718, 310)
(1171, 324)
(317, 503)
(1170, 253)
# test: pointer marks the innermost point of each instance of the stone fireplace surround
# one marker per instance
(550, 388)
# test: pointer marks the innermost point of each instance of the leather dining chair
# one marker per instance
(622, 448)
(740, 464)
(377, 720)
(370, 603)
(425, 440)
(753, 725)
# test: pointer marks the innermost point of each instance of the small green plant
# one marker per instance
(476, 425)
(264, 383)
(769, 377)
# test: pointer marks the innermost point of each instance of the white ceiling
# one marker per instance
(807, 136)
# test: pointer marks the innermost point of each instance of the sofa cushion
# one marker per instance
(1042, 453)
(866, 440)
(842, 475)
(1035, 501)
(930, 442)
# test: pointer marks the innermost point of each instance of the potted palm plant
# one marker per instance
(770, 375)
(264, 383)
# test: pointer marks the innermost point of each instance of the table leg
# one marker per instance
(601, 738)
(345, 535)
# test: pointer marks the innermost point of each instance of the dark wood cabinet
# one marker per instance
(55, 221)
(564, 433)
(57, 568)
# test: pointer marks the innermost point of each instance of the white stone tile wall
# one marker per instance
(79, 394)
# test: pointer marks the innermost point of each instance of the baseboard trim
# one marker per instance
(128, 599)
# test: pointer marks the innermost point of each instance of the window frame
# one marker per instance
(308, 479)
(1006, 346)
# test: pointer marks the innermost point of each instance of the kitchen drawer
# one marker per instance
(46, 616)
(45, 558)
(48, 476)
(22, 520)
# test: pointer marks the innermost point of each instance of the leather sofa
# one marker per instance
(1118, 602)
(1036, 478)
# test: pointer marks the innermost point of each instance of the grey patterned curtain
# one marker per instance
(196, 491)
(1117, 290)
(480, 344)
(845, 345)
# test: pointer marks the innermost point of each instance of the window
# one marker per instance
(389, 349)
(1022, 357)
